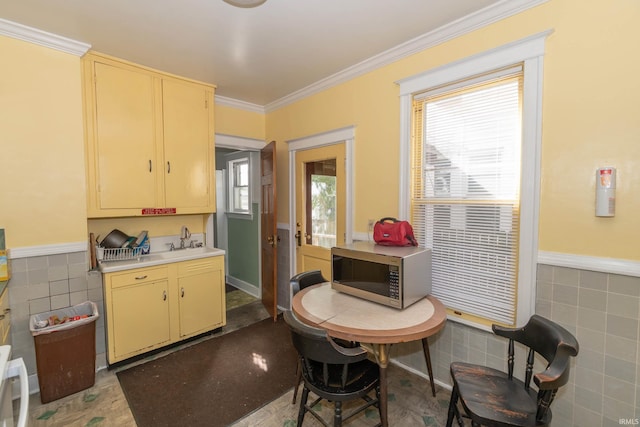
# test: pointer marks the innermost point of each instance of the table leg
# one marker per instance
(381, 351)
(427, 356)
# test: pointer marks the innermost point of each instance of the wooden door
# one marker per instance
(320, 206)
(269, 229)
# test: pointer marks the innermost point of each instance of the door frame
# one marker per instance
(344, 135)
(238, 143)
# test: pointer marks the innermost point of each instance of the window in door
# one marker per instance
(321, 199)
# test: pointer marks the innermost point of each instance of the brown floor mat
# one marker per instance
(215, 382)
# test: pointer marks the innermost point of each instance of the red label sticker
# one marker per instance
(158, 211)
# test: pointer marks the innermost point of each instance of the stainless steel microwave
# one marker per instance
(390, 275)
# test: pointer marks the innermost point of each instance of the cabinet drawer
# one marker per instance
(141, 275)
(198, 266)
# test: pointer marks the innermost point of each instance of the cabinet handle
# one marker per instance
(7, 310)
(182, 292)
(150, 166)
(1, 316)
(164, 295)
(141, 277)
(168, 167)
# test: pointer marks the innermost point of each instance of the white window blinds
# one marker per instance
(465, 200)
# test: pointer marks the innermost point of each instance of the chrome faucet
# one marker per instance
(184, 235)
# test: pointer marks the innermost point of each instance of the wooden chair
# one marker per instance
(297, 283)
(332, 372)
(493, 398)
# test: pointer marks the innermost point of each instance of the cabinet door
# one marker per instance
(125, 137)
(201, 291)
(187, 110)
(5, 319)
(140, 317)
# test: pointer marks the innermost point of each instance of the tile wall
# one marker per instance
(283, 269)
(41, 284)
(601, 310)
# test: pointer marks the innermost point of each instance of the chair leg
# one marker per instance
(303, 403)
(298, 381)
(337, 417)
(453, 409)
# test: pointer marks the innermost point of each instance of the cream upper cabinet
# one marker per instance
(149, 141)
(187, 150)
(125, 138)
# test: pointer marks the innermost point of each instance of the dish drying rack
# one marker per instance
(118, 254)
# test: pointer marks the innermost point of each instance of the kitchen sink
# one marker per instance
(189, 253)
(158, 258)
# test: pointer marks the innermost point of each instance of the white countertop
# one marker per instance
(159, 258)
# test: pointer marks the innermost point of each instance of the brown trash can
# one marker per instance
(66, 353)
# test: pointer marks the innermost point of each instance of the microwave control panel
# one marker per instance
(394, 282)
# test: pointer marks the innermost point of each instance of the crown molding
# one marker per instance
(467, 24)
(42, 38)
(241, 105)
(238, 142)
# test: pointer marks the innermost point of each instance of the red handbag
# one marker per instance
(391, 232)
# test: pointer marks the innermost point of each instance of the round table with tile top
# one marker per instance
(355, 319)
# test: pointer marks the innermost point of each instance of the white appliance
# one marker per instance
(10, 369)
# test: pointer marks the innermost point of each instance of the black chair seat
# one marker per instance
(363, 377)
(332, 372)
(493, 398)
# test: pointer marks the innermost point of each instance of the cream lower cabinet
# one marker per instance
(200, 283)
(149, 308)
(5, 318)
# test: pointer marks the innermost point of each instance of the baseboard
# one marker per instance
(244, 286)
(419, 373)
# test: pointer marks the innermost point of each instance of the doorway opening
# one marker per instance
(236, 223)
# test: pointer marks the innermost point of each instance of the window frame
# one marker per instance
(530, 52)
(232, 159)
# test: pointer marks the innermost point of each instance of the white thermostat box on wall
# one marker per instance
(606, 191)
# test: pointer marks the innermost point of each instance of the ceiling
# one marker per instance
(257, 55)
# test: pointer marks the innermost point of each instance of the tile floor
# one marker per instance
(104, 404)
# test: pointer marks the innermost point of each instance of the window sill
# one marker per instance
(237, 215)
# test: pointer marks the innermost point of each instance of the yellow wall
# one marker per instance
(42, 187)
(237, 122)
(155, 225)
(591, 118)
